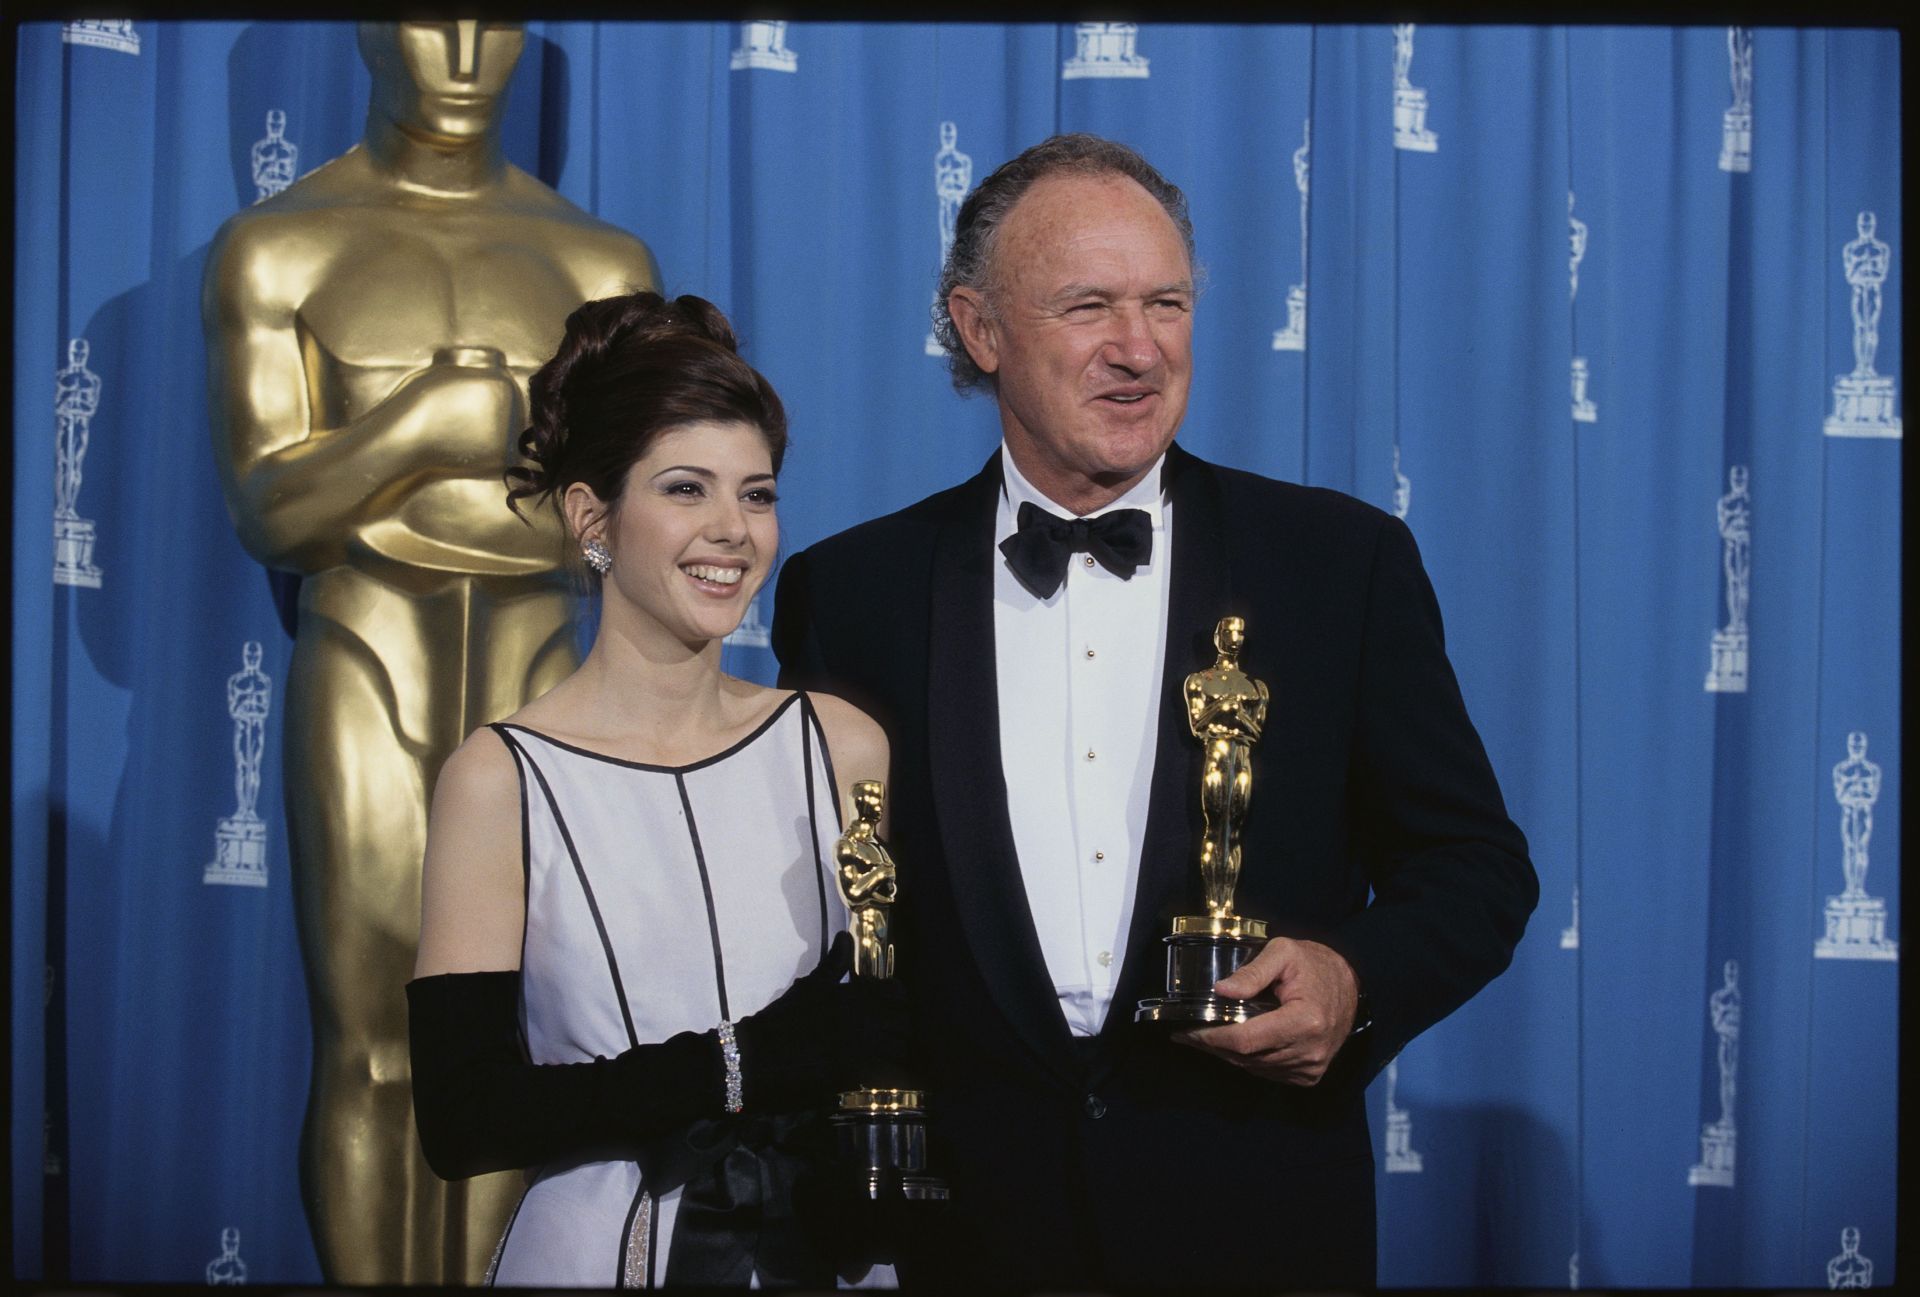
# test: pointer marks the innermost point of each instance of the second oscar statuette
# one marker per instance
(1226, 710)
(880, 1131)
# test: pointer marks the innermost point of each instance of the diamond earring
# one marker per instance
(595, 552)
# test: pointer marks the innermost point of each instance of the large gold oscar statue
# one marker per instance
(370, 333)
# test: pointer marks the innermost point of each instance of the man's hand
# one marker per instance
(1294, 1043)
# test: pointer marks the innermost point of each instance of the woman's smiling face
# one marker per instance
(695, 531)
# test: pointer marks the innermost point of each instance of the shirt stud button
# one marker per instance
(1106, 958)
(1088, 561)
(1089, 754)
(1095, 1108)
(1099, 855)
(1089, 652)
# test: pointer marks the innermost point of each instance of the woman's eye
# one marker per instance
(690, 490)
(761, 496)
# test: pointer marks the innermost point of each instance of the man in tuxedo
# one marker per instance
(1039, 623)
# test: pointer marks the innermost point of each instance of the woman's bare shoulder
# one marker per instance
(480, 769)
(859, 745)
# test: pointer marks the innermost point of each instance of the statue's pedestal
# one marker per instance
(239, 852)
(1584, 409)
(1400, 1154)
(1294, 336)
(1107, 52)
(1736, 140)
(1856, 929)
(1410, 121)
(763, 45)
(1863, 407)
(1729, 673)
(1716, 1157)
(73, 553)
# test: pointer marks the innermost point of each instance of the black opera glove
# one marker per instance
(481, 1106)
(822, 1036)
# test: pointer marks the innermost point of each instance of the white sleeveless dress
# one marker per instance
(660, 899)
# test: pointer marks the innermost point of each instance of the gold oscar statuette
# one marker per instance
(1226, 710)
(881, 1132)
(370, 332)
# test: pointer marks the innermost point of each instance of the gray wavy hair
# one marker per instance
(976, 230)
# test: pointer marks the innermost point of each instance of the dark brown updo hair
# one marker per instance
(629, 369)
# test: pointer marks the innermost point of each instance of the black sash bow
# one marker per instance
(737, 1213)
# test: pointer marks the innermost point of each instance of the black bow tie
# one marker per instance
(1038, 553)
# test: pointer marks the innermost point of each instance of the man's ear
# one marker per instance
(977, 332)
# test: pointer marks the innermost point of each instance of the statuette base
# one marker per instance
(1863, 407)
(767, 60)
(1729, 673)
(1856, 929)
(881, 1135)
(871, 1100)
(1736, 140)
(1195, 962)
(73, 553)
(1584, 410)
(1410, 121)
(1294, 336)
(109, 34)
(240, 853)
(1402, 1159)
(1716, 1164)
(1238, 926)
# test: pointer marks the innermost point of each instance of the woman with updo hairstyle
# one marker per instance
(629, 981)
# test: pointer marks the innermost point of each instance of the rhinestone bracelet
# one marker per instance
(730, 1052)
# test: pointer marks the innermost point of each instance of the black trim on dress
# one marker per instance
(526, 839)
(826, 760)
(586, 888)
(808, 721)
(732, 748)
(706, 889)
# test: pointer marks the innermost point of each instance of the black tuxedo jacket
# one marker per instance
(1129, 1159)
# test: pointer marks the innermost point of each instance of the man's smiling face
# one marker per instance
(1089, 336)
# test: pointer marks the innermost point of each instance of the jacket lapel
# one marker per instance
(1201, 594)
(969, 782)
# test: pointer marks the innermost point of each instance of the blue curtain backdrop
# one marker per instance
(1590, 307)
